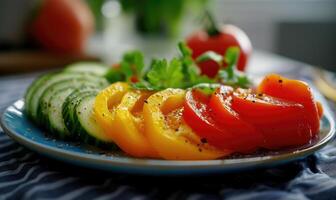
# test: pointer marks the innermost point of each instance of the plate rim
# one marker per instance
(150, 164)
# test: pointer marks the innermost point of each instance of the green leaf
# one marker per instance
(190, 70)
(231, 56)
(231, 59)
(126, 69)
(180, 72)
(210, 55)
(114, 75)
(132, 64)
(243, 81)
(195, 78)
(184, 49)
(165, 75)
(143, 85)
(239, 80)
(230, 75)
(207, 88)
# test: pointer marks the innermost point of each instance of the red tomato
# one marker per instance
(319, 109)
(246, 137)
(134, 79)
(229, 36)
(295, 91)
(282, 123)
(63, 25)
(198, 115)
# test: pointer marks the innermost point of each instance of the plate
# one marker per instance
(19, 128)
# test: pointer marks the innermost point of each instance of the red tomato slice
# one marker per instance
(296, 91)
(282, 123)
(246, 137)
(196, 114)
(263, 109)
(319, 109)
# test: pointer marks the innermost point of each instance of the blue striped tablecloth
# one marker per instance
(27, 175)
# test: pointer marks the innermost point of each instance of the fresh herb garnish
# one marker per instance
(207, 88)
(228, 73)
(210, 55)
(162, 74)
(131, 65)
(192, 74)
(179, 72)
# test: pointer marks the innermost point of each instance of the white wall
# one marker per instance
(259, 18)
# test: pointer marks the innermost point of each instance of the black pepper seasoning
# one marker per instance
(204, 140)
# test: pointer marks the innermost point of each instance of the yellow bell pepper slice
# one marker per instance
(169, 134)
(118, 110)
(129, 124)
(105, 104)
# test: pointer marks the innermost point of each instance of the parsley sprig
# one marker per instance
(131, 65)
(179, 72)
(228, 73)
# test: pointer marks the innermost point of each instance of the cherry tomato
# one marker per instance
(295, 91)
(246, 137)
(281, 122)
(229, 36)
(63, 26)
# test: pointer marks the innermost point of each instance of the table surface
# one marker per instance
(27, 175)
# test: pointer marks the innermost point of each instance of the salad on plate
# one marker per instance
(170, 109)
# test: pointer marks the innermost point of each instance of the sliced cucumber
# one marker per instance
(43, 86)
(90, 132)
(88, 67)
(55, 117)
(68, 108)
(42, 110)
(30, 91)
(63, 102)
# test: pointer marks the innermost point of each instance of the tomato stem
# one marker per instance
(211, 25)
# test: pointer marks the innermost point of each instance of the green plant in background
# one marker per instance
(159, 16)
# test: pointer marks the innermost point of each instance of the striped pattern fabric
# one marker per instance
(27, 175)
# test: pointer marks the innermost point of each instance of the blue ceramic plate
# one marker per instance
(18, 127)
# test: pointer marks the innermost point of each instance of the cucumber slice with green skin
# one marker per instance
(42, 87)
(98, 69)
(68, 108)
(30, 91)
(42, 110)
(89, 131)
(55, 117)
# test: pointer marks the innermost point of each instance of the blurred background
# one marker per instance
(39, 34)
